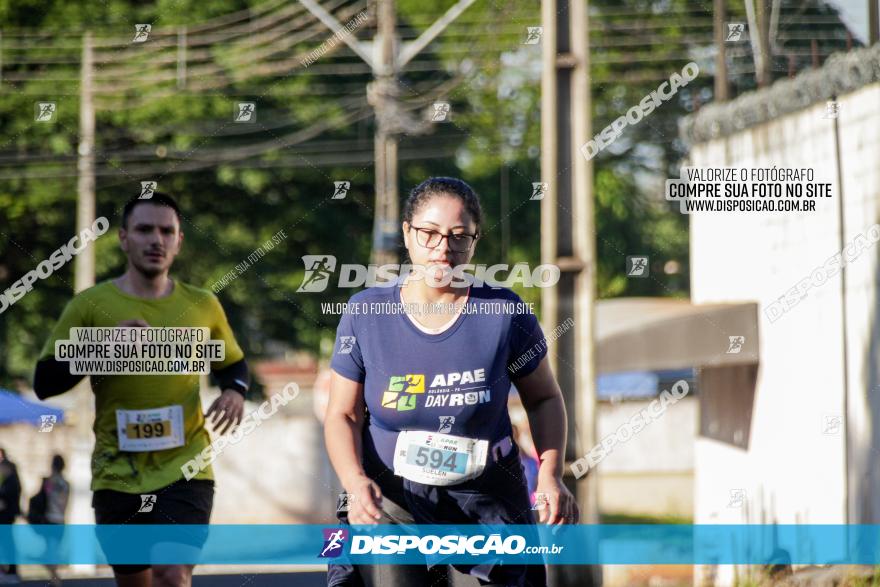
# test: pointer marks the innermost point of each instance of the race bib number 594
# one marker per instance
(438, 459)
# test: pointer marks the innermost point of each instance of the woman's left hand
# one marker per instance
(560, 505)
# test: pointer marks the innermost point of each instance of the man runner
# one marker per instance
(129, 472)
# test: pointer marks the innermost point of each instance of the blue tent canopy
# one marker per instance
(16, 410)
(637, 384)
(631, 384)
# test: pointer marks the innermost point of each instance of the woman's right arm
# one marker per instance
(343, 426)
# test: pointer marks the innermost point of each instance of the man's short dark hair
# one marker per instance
(158, 199)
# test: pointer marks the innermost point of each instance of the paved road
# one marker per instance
(305, 579)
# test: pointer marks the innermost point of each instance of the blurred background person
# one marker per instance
(48, 507)
(10, 508)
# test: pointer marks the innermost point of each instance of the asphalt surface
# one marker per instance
(304, 579)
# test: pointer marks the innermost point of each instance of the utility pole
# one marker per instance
(505, 206)
(873, 22)
(388, 59)
(84, 263)
(385, 223)
(568, 241)
(766, 75)
(759, 37)
(719, 20)
(84, 278)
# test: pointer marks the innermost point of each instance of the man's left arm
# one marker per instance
(231, 373)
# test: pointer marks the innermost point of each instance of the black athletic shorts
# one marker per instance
(182, 502)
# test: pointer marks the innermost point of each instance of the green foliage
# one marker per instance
(233, 201)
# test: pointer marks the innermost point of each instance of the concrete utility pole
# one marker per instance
(719, 20)
(568, 241)
(84, 262)
(759, 37)
(387, 59)
(387, 199)
(873, 22)
(84, 278)
(765, 77)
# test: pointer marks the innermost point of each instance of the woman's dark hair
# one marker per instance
(443, 186)
(57, 463)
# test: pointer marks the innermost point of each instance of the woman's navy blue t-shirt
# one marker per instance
(455, 382)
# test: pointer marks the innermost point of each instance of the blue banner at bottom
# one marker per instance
(464, 544)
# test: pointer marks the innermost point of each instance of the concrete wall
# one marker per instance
(278, 474)
(652, 473)
(795, 467)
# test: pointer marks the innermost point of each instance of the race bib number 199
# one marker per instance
(147, 430)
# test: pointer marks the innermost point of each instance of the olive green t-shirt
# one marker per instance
(105, 305)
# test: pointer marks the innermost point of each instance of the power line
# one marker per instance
(216, 22)
(241, 53)
(211, 157)
(245, 64)
(193, 165)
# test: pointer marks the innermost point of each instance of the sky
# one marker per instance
(855, 15)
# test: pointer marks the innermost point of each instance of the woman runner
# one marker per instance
(401, 381)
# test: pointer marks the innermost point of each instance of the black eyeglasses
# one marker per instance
(457, 242)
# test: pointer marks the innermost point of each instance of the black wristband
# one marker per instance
(237, 386)
(235, 376)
